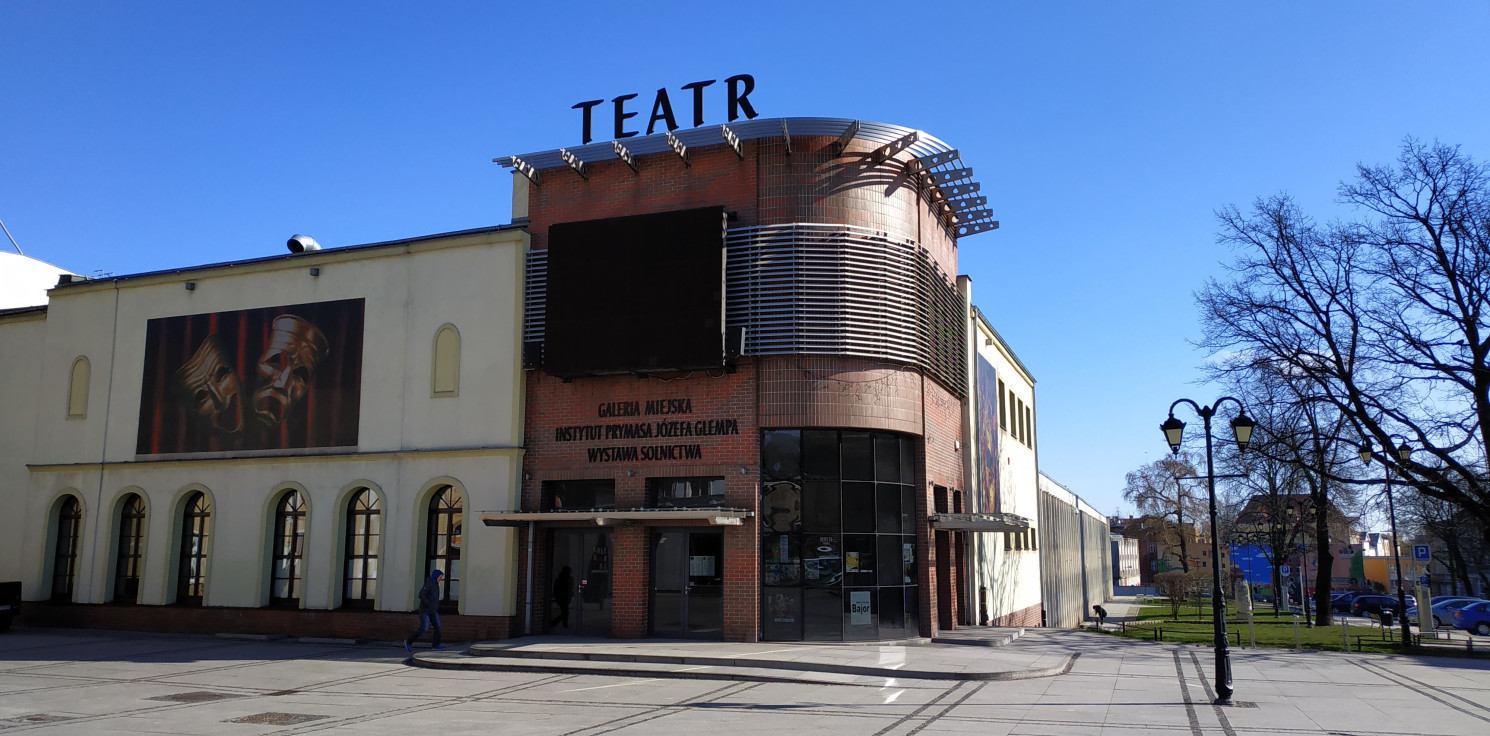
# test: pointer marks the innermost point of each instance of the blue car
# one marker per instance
(1443, 609)
(1474, 618)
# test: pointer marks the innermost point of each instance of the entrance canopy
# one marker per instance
(979, 522)
(605, 517)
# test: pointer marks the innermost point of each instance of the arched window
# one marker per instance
(364, 528)
(442, 541)
(287, 562)
(191, 569)
(131, 549)
(77, 389)
(65, 561)
(445, 373)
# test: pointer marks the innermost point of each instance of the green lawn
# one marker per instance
(1194, 626)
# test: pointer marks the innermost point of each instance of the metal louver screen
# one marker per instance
(826, 290)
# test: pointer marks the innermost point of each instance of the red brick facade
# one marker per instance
(816, 183)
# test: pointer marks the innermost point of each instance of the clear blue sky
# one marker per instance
(141, 136)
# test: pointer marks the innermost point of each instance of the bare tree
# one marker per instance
(1177, 587)
(1382, 320)
(1157, 492)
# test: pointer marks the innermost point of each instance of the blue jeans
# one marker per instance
(426, 620)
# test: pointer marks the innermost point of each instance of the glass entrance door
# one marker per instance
(688, 584)
(579, 601)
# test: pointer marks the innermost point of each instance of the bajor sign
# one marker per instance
(738, 89)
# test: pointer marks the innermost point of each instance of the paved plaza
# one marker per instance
(66, 682)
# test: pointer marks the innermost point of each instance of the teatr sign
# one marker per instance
(737, 96)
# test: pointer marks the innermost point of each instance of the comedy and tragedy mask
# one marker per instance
(208, 386)
(287, 367)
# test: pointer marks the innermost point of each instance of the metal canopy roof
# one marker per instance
(952, 180)
(979, 522)
(607, 517)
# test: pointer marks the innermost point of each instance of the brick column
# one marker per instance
(630, 578)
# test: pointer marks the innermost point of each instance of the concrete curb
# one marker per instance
(617, 664)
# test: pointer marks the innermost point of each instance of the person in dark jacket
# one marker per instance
(1101, 615)
(563, 594)
(429, 611)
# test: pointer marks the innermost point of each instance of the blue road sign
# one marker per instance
(1421, 553)
(1285, 570)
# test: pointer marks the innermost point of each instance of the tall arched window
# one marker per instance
(191, 569)
(287, 563)
(65, 559)
(77, 389)
(442, 541)
(131, 549)
(364, 528)
(445, 373)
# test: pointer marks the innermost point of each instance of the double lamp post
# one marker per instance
(1242, 426)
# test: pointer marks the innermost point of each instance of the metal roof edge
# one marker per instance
(1005, 343)
(309, 256)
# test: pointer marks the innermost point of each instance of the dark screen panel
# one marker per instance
(638, 293)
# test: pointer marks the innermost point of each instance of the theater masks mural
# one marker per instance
(276, 378)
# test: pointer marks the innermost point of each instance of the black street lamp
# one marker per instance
(1403, 452)
(1242, 426)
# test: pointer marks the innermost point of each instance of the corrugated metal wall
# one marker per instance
(1075, 557)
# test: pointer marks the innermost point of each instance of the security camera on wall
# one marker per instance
(302, 243)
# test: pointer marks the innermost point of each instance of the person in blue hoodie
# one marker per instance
(429, 611)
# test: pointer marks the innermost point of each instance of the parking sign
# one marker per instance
(1421, 553)
(1285, 570)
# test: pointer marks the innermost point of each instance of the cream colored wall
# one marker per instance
(1011, 577)
(22, 339)
(408, 440)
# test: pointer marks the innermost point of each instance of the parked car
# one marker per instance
(1474, 617)
(1443, 610)
(1341, 603)
(10, 603)
(1372, 604)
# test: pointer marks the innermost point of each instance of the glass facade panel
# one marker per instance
(781, 614)
(892, 612)
(838, 512)
(821, 506)
(820, 454)
(858, 456)
(887, 508)
(887, 458)
(822, 614)
(781, 454)
(890, 570)
(858, 507)
(858, 559)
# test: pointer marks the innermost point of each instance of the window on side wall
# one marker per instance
(665, 493)
(1003, 406)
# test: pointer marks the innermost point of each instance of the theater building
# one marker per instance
(720, 384)
(748, 387)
